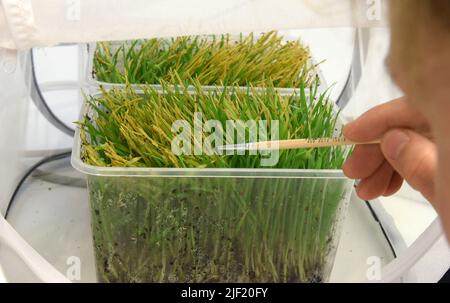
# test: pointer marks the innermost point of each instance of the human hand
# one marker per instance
(406, 152)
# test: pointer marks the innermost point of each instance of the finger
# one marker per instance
(364, 161)
(414, 157)
(395, 185)
(376, 122)
(377, 184)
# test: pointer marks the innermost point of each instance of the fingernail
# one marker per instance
(394, 143)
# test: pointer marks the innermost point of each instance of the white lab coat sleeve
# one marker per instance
(47, 22)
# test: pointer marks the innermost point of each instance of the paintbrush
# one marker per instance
(292, 144)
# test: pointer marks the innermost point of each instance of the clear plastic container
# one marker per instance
(214, 225)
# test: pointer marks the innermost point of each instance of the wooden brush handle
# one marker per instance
(306, 143)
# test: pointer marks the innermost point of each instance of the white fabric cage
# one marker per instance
(28, 23)
(31, 23)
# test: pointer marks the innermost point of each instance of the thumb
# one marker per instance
(414, 157)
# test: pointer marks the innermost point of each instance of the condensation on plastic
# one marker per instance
(49, 22)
